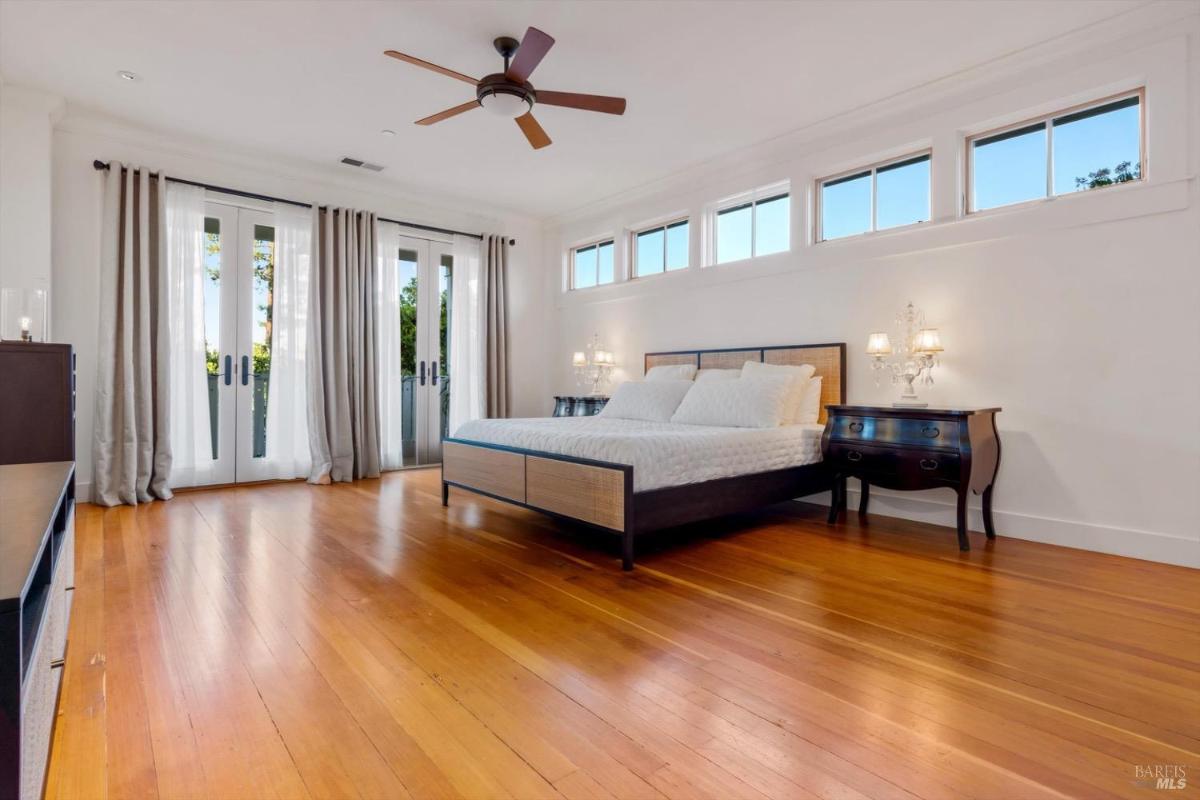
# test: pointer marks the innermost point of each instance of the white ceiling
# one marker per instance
(309, 81)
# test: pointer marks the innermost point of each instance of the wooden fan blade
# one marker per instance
(585, 102)
(533, 49)
(448, 113)
(533, 131)
(420, 62)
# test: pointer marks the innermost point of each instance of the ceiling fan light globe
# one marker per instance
(503, 104)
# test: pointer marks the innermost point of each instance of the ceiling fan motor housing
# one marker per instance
(505, 97)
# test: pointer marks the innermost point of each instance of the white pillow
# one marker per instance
(798, 375)
(810, 406)
(754, 402)
(672, 372)
(718, 375)
(652, 401)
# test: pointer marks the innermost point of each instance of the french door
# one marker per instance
(238, 302)
(426, 274)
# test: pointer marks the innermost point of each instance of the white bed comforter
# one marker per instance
(662, 453)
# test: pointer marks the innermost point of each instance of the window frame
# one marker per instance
(671, 222)
(752, 198)
(1046, 121)
(871, 170)
(596, 243)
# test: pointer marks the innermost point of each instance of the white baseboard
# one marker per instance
(83, 492)
(1129, 542)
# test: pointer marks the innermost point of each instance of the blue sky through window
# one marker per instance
(771, 225)
(659, 249)
(1011, 167)
(605, 260)
(650, 248)
(757, 228)
(677, 245)
(1101, 141)
(585, 267)
(733, 233)
(902, 194)
(593, 265)
(846, 206)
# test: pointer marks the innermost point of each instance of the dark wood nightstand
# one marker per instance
(914, 448)
(582, 406)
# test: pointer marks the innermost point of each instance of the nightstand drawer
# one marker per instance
(896, 430)
(894, 465)
(853, 457)
(919, 466)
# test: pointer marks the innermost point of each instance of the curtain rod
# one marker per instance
(98, 164)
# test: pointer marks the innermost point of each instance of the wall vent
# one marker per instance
(354, 162)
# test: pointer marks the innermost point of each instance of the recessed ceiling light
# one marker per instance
(388, 132)
(126, 75)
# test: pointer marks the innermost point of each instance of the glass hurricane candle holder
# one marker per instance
(23, 315)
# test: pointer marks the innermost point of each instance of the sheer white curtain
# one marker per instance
(287, 453)
(190, 424)
(391, 382)
(467, 348)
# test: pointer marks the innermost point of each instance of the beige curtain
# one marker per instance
(131, 455)
(343, 413)
(494, 291)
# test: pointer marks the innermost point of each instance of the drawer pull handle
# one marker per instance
(931, 431)
(854, 455)
(856, 426)
(929, 464)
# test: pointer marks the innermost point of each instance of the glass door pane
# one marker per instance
(408, 263)
(252, 368)
(424, 277)
(212, 325)
(216, 464)
(260, 348)
(439, 412)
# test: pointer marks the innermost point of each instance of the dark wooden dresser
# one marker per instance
(37, 404)
(914, 448)
(37, 580)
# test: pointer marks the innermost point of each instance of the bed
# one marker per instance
(630, 477)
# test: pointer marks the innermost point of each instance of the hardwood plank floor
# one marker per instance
(359, 640)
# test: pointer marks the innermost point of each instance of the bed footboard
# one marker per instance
(596, 493)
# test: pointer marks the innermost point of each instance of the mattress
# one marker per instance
(662, 453)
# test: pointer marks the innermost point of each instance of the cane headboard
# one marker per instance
(829, 360)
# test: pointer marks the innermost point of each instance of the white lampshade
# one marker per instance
(878, 344)
(604, 358)
(579, 360)
(928, 341)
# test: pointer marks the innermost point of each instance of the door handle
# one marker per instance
(228, 370)
(433, 376)
(245, 370)
(421, 374)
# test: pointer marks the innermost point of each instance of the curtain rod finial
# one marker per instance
(98, 164)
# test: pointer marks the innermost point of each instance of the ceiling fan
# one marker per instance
(509, 93)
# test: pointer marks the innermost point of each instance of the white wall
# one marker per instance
(1079, 316)
(26, 122)
(81, 136)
